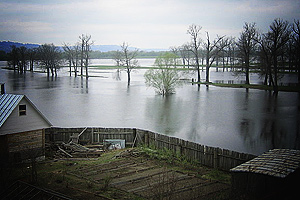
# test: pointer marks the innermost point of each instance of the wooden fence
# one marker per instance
(209, 156)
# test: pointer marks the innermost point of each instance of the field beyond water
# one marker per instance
(139, 173)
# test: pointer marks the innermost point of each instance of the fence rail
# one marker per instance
(209, 156)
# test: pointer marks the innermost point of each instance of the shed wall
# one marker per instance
(261, 186)
(22, 146)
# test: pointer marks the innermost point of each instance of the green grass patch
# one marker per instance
(254, 86)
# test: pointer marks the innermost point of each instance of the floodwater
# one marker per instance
(250, 121)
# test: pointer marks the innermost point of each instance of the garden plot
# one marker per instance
(149, 180)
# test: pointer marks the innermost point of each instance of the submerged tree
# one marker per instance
(85, 43)
(296, 45)
(272, 45)
(212, 50)
(72, 55)
(127, 59)
(246, 45)
(194, 32)
(166, 78)
(49, 57)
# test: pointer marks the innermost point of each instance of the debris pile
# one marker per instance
(73, 150)
(129, 153)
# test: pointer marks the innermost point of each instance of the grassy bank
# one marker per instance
(254, 86)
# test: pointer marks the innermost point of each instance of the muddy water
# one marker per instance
(250, 121)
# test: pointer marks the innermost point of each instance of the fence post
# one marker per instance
(146, 138)
(215, 158)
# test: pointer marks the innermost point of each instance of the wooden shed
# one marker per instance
(273, 175)
(22, 125)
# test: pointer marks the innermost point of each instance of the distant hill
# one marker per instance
(106, 48)
(6, 46)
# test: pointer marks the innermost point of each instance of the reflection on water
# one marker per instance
(251, 121)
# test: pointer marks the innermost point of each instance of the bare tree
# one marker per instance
(272, 45)
(212, 49)
(13, 57)
(69, 55)
(72, 55)
(85, 43)
(278, 36)
(246, 45)
(232, 52)
(194, 32)
(32, 53)
(175, 51)
(50, 58)
(296, 45)
(185, 54)
(23, 59)
(128, 59)
(265, 60)
(117, 57)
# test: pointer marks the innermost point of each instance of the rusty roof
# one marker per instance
(276, 162)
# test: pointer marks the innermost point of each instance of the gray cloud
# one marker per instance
(142, 23)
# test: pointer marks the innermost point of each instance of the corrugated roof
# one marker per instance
(276, 162)
(8, 103)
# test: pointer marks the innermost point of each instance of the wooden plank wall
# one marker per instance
(209, 156)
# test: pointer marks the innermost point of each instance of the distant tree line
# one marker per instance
(50, 57)
(270, 53)
(46, 56)
(111, 54)
(276, 51)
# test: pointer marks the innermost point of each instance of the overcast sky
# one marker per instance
(141, 23)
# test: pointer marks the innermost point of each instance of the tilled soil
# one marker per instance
(148, 179)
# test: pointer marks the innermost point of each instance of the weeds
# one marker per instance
(106, 183)
(164, 186)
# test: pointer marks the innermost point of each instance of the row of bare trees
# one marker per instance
(78, 55)
(275, 51)
(208, 49)
(50, 57)
(47, 56)
(272, 52)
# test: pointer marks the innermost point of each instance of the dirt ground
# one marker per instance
(134, 173)
(127, 174)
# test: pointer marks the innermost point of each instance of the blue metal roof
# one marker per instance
(8, 103)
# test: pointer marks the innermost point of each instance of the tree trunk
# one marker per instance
(275, 86)
(207, 68)
(128, 76)
(207, 74)
(86, 70)
(247, 70)
(70, 66)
